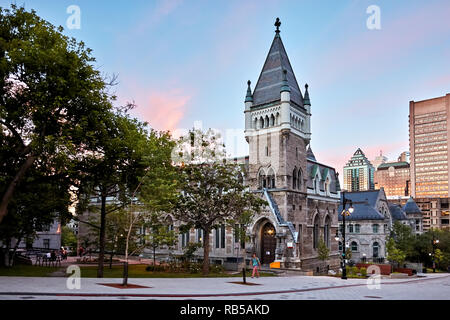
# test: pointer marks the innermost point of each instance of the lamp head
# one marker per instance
(351, 209)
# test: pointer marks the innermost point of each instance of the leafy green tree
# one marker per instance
(158, 234)
(394, 254)
(68, 237)
(403, 238)
(29, 213)
(211, 190)
(323, 250)
(52, 101)
(113, 169)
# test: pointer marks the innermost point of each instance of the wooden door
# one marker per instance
(268, 244)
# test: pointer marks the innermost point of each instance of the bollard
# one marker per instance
(243, 275)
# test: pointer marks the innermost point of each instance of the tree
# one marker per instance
(113, 169)
(323, 251)
(40, 199)
(68, 237)
(403, 238)
(394, 254)
(159, 234)
(52, 101)
(211, 190)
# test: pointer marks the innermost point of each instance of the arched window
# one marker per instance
(271, 178)
(354, 246)
(261, 180)
(266, 122)
(300, 179)
(326, 231)
(261, 123)
(272, 120)
(255, 123)
(375, 249)
(327, 184)
(316, 232)
(294, 179)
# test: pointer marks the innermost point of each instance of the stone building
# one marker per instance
(302, 193)
(368, 227)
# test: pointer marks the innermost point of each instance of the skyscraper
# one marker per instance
(358, 173)
(429, 131)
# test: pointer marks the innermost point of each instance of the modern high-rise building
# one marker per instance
(394, 177)
(359, 173)
(429, 131)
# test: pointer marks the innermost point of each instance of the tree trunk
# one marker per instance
(154, 256)
(7, 196)
(205, 269)
(101, 254)
(11, 260)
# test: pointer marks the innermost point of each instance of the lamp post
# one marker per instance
(434, 243)
(345, 213)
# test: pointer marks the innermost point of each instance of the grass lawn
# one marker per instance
(134, 271)
(27, 271)
(138, 271)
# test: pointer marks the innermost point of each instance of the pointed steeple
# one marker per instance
(270, 80)
(306, 100)
(309, 154)
(249, 96)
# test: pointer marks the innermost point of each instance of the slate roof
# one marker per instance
(397, 212)
(411, 207)
(313, 167)
(270, 80)
(364, 203)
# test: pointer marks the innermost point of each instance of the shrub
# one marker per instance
(354, 270)
(363, 271)
(217, 268)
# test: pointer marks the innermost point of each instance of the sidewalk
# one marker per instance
(206, 288)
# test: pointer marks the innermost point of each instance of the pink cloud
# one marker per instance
(162, 110)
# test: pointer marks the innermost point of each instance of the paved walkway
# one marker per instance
(432, 286)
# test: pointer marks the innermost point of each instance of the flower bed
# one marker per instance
(385, 269)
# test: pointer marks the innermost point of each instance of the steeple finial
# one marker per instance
(306, 100)
(249, 96)
(285, 84)
(277, 24)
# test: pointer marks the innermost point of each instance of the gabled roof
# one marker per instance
(364, 204)
(397, 212)
(411, 207)
(271, 78)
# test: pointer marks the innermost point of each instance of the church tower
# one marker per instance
(278, 131)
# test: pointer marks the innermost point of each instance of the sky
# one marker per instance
(185, 63)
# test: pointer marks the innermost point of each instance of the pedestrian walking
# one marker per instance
(256, 265)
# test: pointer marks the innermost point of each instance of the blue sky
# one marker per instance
(184, 61)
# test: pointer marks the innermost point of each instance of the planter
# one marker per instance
(399, 275)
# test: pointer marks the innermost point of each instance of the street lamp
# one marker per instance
(434, 243)
(345, 213)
